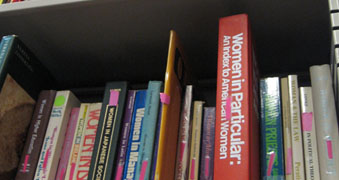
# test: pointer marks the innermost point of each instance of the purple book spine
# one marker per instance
(123, 142)
(207, 149)
(66, 149)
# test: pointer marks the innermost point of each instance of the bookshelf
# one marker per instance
(85, 43)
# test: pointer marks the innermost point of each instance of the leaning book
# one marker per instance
(22, 77)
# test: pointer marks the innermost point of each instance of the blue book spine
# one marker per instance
(272, 159)
(135, 135)
(148, 130)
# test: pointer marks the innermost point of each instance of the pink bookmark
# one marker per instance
(114, 98)
(192, 175)
(72, 171)
(62, 174)
(182, 150)
(119, 172)
(329, 149)
(307, 121)
(207, 166)
(228, 108)
(143, 170)
(270, 164)
(165, 99)
(289, 161)
(26, 162)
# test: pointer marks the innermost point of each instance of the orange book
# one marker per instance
(175, 78)
(236, 154)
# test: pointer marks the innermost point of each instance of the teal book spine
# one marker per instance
(272, 157)
(143, 167)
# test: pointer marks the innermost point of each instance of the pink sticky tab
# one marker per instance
(26, 162)
(114, 98)
(62, 174)
(164, 98)
(119, 172)
(228, 108)
(270, 164)
(143, 170)
(192, 174)
(207, 166)
(307, 121)
(182, 150)
(72, 171)
(289, 161)
(329, 149)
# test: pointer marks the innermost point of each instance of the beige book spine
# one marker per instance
(195, 140)
(297, 146)
(286, 129)
(309, 134)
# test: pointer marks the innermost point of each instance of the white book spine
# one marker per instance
(309, 134)
(333, 5)
(287, 129)
(326, 122)
(55, 135)
(75, 151)
(87, 142)
(297, 146)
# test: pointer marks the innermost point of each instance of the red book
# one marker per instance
(236, 154)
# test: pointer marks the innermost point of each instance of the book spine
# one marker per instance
(207, 146)
(184, 136)
(143, 166)
(286, 129)
(105, 146)
(272, 164)
(74, 155)
(309, 134)
(132, 153)
(55, 135)
(124, 135)
(87, 142)
(36, 134)
(195, 141)
(6, 44)
(66, 149)
(156, 144)
(236, 147)
(297, 147)
(326, 122)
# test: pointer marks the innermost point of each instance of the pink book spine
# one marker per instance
(66, 149)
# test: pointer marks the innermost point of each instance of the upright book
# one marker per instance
(207, 144)
(36, 134)
(105, 146)
(132, 154)
(55, 135)
(309, 134)
(22, 77)
(68, 143)
(237, 125)
(297, 146)
(285, 103)
(272, 152)
(87, 141)
(124, 135)
(143, 167)
(177, 75)
(195, 140)
(184, 136)
(326, 122)
(77, 139)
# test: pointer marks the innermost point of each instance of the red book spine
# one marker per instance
(236, 154)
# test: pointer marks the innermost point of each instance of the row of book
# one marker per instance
(9, 1)
(159, 148)
(299, 127)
